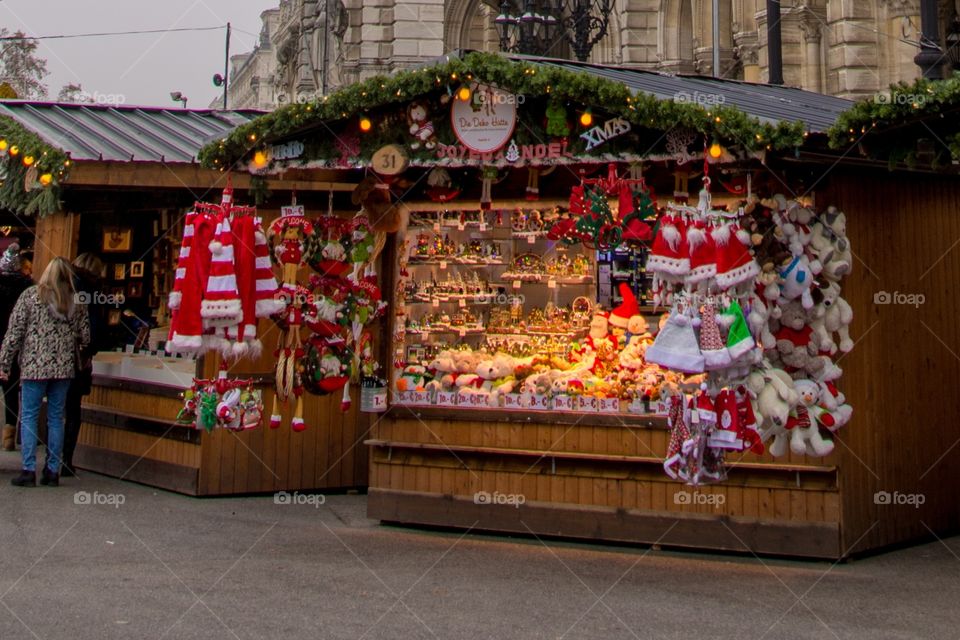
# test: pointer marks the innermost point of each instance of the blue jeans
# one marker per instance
(31, 398)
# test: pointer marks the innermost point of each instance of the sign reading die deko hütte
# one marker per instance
(485, 121)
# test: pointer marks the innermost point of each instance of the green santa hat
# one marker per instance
(739, 339)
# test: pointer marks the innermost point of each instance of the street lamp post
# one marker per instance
(531, 26)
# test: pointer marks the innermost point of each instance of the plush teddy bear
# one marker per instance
(804, 430)
(758, 319)
(775, 396)
(829, 242)
(834, 403)
(421, 126)
(797, 346)
(836, 318)
(503, 366)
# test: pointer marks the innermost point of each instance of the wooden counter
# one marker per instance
(591, 476)
(130, 432)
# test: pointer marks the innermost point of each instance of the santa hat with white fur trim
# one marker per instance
(221, 305)
(621, 315)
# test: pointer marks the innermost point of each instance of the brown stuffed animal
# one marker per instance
(374, 196)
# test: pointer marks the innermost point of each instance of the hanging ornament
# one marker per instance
(513, 152)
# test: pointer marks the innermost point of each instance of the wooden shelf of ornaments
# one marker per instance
(478, 296)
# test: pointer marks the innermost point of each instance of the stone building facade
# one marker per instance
(847, 48)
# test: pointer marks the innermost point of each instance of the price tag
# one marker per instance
(551, 284)
(435, 302)
(516, 284)
(436, 227)
(424, 335)
(483, 226)
(443, 264)
(461, 303)
(460, 226)
(531, 239)
(463, 333)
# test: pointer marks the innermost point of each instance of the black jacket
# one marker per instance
(89, 289)
(11, 286)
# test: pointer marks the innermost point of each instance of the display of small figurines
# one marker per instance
(442, 248)
(535, 222)
(527, 266)
(581, 311)
(518, 221)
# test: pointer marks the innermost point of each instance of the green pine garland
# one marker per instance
(40, 201)
(727, 125)
(889, 126)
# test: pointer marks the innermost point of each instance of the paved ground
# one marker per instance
(166, 566)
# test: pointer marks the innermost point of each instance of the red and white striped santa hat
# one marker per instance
(221, 303)
(269, 300)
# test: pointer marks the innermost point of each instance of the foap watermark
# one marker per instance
(506, 299)
(85, 498)
(480, 98)
(315, 500)
(698, 98)
(102, 98)
(898, 297)
(699, 499)
(916, 100)
(897, 499)
(511, 499)
(99, 298)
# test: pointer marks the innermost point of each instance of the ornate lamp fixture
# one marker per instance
(537, 27)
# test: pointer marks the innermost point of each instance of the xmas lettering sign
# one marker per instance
(484, 125)
(611, 129)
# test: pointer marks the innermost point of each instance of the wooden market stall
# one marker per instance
(120, 181)
(596, 472)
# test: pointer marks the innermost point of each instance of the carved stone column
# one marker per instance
(811, 26)
(748, 52)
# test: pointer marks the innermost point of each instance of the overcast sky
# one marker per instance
(140, 69)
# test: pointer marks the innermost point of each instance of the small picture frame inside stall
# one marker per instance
(135, 290)
(117, 240)
(136, 269)
(120, 271)
(113, 317)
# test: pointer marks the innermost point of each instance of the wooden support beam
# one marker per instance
(56, 235)
(191, 176)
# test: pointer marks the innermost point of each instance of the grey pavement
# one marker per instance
(161, 565)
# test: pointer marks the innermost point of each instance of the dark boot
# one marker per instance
(49, 478)
(25, 479)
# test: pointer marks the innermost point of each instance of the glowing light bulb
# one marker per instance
(46, 179)
(260, 159)
(716, 150)
(586, 118)
(464, 94)
(365, 124)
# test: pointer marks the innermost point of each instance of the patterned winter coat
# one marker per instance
(47, 342)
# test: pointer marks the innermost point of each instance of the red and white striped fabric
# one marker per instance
(268, 299)
(186, 326)
(221, 305)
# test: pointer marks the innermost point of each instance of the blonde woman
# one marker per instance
(47, 329)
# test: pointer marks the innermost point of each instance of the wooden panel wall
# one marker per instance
(56, 235)
(529, 459)
(902, 376)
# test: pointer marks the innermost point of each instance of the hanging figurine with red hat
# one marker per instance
(292, 228)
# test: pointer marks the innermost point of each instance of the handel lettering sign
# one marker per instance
(484, 122)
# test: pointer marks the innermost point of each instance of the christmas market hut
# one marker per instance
(629, 306)
(120, 182)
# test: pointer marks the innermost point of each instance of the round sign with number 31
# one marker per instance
(390, 160)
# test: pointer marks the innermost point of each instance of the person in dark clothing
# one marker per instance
(13, 282)
(89, 272)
